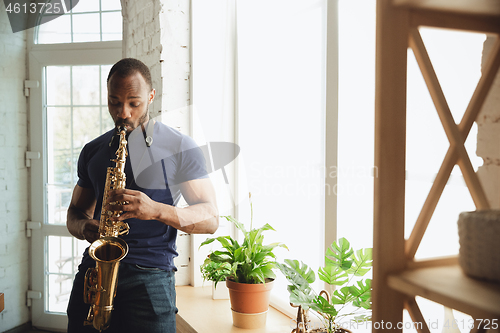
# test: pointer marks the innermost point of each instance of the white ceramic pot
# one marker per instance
(221, 292)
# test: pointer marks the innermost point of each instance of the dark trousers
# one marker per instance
(144, 302)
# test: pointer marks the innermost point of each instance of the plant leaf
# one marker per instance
(333, 275)
(362, 262)
(362, 294)
(298, 298)
(362, 318)
(206, 241)
(238, 225)
(339, 254)
(342, 296)
(321, 305)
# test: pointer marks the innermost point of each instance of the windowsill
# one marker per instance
(199, 313)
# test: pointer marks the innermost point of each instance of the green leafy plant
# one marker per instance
(349, 295)
(251, 261)
(216, 272)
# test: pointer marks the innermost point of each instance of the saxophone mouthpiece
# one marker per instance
(121, 128)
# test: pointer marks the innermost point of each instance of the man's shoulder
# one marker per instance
(174, 137)
(99, 142)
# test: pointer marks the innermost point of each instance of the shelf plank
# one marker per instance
(199, 313)
(473, 7)
(449, 286)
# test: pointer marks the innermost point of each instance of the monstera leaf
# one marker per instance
(339, 254)
(333, 275)
(362, 262)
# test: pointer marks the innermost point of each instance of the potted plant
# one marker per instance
(216, 272)
(251, 275)
(349, 295)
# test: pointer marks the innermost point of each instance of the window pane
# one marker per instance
(59, 144)
(104, 86)
(112, 26)
(63, 256)
(86, 27)
(281, 88)
(85, 85)
(55, 31)
(83, 24)
(59, 197)
(69, 128)
(86, 126)
(58, 86)
(84, 6)
(111, 5)
(107, 121)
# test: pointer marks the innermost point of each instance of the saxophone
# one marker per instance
(101, 281)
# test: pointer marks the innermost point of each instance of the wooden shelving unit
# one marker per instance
(397, 277)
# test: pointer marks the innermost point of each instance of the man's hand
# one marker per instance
(201, 216)
(136, 205)
(90, 230)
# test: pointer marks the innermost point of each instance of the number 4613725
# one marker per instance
(40, 7)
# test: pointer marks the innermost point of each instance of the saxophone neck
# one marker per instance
(121, 152)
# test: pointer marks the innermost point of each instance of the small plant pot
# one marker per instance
(221, 292)
(249, 320)
(479, 254)
(249, 302)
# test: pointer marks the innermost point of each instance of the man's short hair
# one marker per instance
(128, 66)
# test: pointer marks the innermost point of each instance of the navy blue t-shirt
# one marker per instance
(157, 171)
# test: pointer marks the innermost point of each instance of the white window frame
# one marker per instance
(40, 56)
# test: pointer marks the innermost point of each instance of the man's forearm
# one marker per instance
(202, 218)
(75, 222)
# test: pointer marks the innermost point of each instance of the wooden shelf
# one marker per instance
(199, 313)
(474, 7)
(397, 278)
(449, 286)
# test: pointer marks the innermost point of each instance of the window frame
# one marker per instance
(40, 56)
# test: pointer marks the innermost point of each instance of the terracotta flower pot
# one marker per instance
(249, 298)
(249, 303)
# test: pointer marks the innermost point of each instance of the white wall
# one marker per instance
(14, 245)
(158, 33)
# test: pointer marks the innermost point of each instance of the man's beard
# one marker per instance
(125, 122)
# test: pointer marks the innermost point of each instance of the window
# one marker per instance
(88, 21)
(67, 111)
(265, 85)
(275, 71)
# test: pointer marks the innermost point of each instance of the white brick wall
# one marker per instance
(488, 139)
(14, 266)
(158, 33)
(146, 24)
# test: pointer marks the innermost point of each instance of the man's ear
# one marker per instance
(151, 96)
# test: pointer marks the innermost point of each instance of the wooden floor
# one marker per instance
(26, 328)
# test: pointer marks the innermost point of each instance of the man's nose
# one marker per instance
(124, 112)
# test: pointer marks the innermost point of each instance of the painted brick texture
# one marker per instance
(158, 33)
(488, 138)
(14, 246)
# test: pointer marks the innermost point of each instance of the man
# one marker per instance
(145, 298)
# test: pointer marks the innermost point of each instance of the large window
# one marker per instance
(265, 83)
(76, 113)
(276, 70)
(67, 111)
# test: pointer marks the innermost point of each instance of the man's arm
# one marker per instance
(80, 212)
(201, 216)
